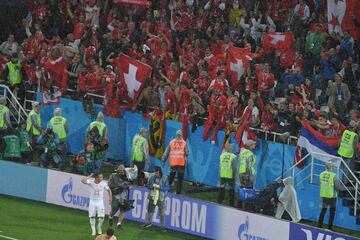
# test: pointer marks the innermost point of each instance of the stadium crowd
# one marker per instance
(225, 64)
(75, 45)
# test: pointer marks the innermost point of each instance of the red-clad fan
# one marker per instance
(90, 54)
(287, 58)
(55, 67)
(267, 121)
(173, 72)
(299, 62)
(220, 80)
(30, 71)
(40, 11)
(216, 109)
(134, 52)
(266, 79)
(211, 62)
(183, 95)
(170, 99)
(79, 23)
(234, 108)
(202, 84)
(111, 101)
(92, 80)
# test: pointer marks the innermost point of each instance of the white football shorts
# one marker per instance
(96, 208)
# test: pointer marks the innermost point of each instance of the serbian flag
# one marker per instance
(157, 133)
(48, 99)
(237, 61)
(135, 2)
(280, 41)
(135, 74)
(321, 147)
(344, 15)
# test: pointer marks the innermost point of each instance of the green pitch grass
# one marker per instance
(29, 220)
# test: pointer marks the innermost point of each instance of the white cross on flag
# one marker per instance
(341, 14)
(280, 41)
(237, 61)
(134, 73)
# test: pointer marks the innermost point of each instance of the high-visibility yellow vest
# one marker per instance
(226, 165)
(14, 76)
(100, 126)
(3, 111)
(29, 126)
(346, 148)
(245, 156)
(58, 125)
(137, 146)
(327, 184)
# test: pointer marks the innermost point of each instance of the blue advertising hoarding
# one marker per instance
(303, 232)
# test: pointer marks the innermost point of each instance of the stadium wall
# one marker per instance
(203, 154)
(183, 214)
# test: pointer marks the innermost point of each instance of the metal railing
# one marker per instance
(274, 136)
(16, 109)
(343, 171)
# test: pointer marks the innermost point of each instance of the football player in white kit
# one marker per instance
(96, 206)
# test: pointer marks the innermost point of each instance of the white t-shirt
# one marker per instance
(97, 189)
(92, 15)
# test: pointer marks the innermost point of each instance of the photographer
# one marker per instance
(120, 186)
(158, 185)
(50, 150)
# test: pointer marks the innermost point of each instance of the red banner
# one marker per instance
(136, 2)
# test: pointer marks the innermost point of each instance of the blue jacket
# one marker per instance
(328, 70)
(294, 79)
(346, 45)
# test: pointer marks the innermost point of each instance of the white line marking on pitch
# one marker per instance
(6, 237)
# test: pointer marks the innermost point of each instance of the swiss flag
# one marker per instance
(343, 15)
(47, 98)
(278, 41)
(135, 2)
(237, 61)
(135, 74)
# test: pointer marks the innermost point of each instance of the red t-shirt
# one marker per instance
(170, 100)
(79, 29)
(268, 79)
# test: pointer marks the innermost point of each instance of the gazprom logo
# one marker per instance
(245, 233)
(70, 198)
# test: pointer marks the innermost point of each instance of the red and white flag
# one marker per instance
(343, 15)
(244, 133)
(47, 98)
(280, 41)
(135, 74)
(237, 61)
(136, 2)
